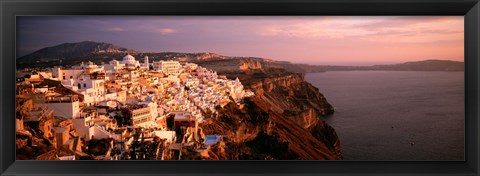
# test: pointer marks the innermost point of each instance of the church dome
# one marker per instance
(128, 58)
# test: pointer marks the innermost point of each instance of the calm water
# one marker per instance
(379, 114)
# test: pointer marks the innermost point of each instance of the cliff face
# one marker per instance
(255, 133)
(249, 64)
(282, 120)
(208, 56)
(292, 96)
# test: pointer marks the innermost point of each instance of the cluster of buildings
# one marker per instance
(120, 110)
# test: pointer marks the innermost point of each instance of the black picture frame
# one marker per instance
(470, 9)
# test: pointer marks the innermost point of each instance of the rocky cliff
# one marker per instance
(292, 96)
(206, 56)
(249, 64)
(282, 120)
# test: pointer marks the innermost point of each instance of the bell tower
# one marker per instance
(146, 63)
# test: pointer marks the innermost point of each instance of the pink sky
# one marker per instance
(341, 40)
(374, 39)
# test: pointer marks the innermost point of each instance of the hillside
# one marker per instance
(427, 65)
(68, 51)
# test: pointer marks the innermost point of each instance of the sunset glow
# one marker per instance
(359, 40)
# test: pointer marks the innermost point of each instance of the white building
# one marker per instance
(133, 75)
(89, 67)
(153, 108)
(86, 128)
(146, 64)
(63, 106)
(87, 79)
(142, 117)
(91, 86)
(66, 74)
(129, 61)
(114, 65)
(170, 136)
(236, 89)
(167, 67)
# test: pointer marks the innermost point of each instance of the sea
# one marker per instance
(396, 115)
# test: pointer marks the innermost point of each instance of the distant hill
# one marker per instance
(427, 65)
(68, 54)
(67, 51)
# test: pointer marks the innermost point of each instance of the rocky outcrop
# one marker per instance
(256, 133)
(249, 64)
(208, 56)
(292, 96)
(327, 135)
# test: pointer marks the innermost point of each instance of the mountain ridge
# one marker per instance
(67, 50)
(68, 54)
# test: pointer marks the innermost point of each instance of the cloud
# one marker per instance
(115, 29)
(327, 28)
(416, 31)
(165, 31)
(375, 29)
(307, 31)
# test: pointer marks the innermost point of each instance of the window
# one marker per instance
(71, 77)
(79, 86)
(63, 77)
(84, 85)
